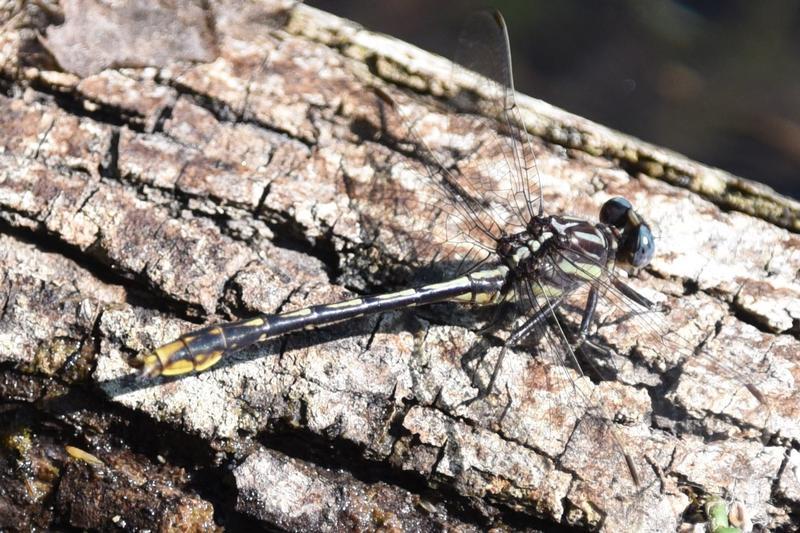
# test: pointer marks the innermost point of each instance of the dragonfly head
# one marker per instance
(636, 244)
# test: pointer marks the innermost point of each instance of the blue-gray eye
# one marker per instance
(639, 246)
(615, 212)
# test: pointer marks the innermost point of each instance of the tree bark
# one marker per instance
(150, 184)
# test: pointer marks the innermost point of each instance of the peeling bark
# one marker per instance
(231, 176)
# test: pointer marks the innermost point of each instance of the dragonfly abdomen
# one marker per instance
(200, 349)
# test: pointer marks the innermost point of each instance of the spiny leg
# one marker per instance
(581, 339)
(519, 334)
(582, 336)
(499, 319)
(633, 294)
(586, 319)
(525, 329)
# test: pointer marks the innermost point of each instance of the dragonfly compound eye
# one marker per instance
(638, 245)
(615, 212)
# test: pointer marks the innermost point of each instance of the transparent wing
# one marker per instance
(716, 380)
(481, 179)
(483, 72)
(612, 435)
(598, 428)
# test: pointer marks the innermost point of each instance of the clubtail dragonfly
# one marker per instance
(536, 268)
(511, 254)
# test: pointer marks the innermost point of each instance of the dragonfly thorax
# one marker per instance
(554, 248)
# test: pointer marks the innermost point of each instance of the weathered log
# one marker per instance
(149, 184)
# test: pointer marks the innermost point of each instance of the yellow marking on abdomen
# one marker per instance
(205, 361)
(458, 282)
(463, 297)
(298, 313)
(165, 352)
(486, 298)
(407, 292)
(345, 304)
(484, 274)
(254, 323)
(177, 368)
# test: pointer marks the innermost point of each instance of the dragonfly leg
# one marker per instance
(586, 319)
(499, 318)
(519, 334)
(633, 294)
(582, 337)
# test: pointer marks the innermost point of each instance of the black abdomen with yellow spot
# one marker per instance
(200, 349)
(541, 265)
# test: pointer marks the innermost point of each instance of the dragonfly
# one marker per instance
(542, 264)
(536, 268)
(511, 254)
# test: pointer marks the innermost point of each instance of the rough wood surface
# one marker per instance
(148, 184)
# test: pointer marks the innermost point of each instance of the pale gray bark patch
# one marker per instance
(326, 500)
(96, 36)
(136, 203)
